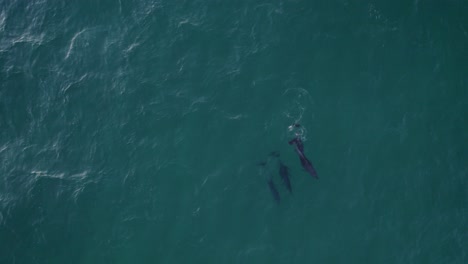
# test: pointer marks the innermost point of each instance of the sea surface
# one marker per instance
(132, 131)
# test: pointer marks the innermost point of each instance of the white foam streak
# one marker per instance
(72, 42)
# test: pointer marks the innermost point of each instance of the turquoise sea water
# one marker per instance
(130, 131)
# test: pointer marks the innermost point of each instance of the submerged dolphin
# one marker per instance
(274, 191)
(271, 184)
(306, 164)
(284, 173)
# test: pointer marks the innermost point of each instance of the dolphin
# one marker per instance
(284, 173)
(271, 184)
(283, 170)
(306, 164)
(274, 191)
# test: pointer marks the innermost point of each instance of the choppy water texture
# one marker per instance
(130, 131)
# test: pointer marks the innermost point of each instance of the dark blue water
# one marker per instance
(131, 131)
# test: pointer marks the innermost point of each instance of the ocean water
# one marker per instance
(131, 131)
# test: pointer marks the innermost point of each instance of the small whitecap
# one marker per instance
(2, 21)
(46, 174)
(80, 176)
(235, 117)
(131, 47)
(72, 43)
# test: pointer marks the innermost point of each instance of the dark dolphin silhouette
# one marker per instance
(274, 191)
(284, 173)
(271, 184)
(306, 164)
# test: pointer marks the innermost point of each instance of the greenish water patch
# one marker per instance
(130, 131)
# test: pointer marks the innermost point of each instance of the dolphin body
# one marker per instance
(306, 164)
(284, 173)
(274, 191)
(272, 186)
